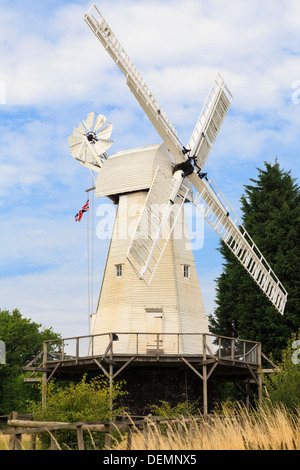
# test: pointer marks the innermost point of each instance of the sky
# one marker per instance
(53, 72)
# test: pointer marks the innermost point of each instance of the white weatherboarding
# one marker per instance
(161, 294)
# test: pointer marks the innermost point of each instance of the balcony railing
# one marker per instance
(152, 344)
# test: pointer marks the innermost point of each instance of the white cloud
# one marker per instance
(179, 45)
(44, 270)
(34, 155)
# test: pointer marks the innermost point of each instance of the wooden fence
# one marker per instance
(19, 427)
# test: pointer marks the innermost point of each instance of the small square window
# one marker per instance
(119, 270)
(186, 271)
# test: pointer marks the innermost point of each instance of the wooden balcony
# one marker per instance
(226, 359)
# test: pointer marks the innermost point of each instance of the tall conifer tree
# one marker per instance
(271, 215)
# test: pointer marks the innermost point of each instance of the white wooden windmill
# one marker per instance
(150, 282)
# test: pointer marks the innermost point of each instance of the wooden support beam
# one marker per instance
(101, 367)
(123, 367)
(32, 379)
(111, 375)
(208, 362)
(253, 375)
(248, 394)
(259, 385)
(209, 350)
(44, 379)
(270, 362)
(53, 372)
(108, 349)
(204, 371)
(191, 367)
(28, 367)
(212, 369)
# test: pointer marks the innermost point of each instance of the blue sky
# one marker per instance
(53, 72)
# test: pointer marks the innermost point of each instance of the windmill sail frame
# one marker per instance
(156, 223)
(210, 120)
(221, 217)
(198, 149)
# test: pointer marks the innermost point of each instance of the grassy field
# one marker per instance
(264, 429)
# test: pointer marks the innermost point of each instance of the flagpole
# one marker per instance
(90, 256)
(88, 267)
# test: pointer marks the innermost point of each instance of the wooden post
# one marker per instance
(80, 439)
(77, 349)
(180, 429)
(53, 435)
(145, 435)
(157, 433)
(259, 374)
(108, 439)
(247, 393)
(44, 378)
(12, 440)
(92, 341)
(18, 442)
(129, 437)
(204, 367)
(32, 442)
(111, 373)
(63, 351)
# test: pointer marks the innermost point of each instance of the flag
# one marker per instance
(84, 209)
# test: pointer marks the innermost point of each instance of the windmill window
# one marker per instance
(119, 270)
(186, 271)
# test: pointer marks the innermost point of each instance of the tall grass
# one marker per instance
(4, 442)
(267, 428)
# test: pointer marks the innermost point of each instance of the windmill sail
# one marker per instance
(141, 253)
(90, 141)
(210, 120)
(135, 82)
(215, 209)
(157, 220)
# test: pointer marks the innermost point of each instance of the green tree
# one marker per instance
(271, 215)
(284, 386)
(23, 340)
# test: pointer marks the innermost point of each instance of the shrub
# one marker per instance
(76, 402)
(284, 386)
(181, 409)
